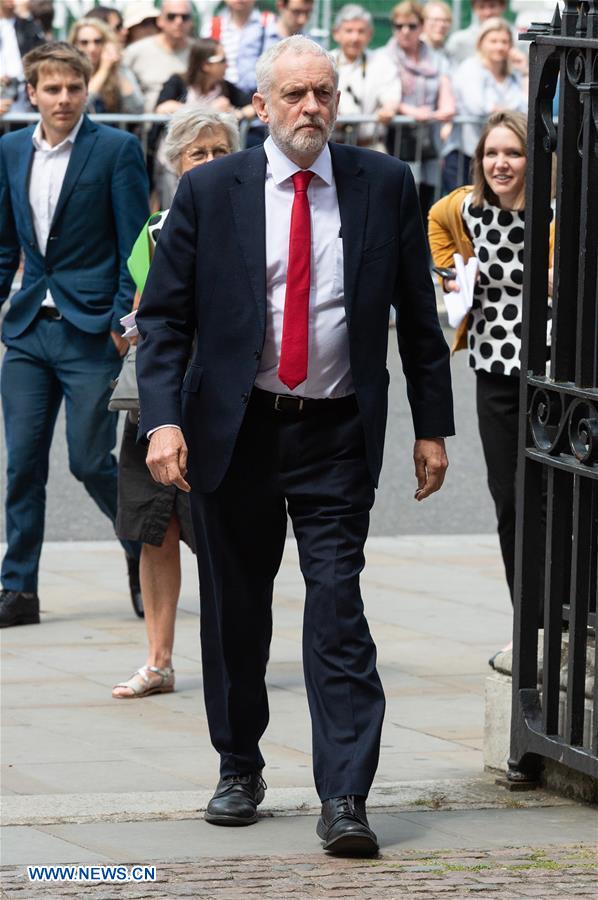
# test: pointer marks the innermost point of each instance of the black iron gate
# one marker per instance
(556, 579)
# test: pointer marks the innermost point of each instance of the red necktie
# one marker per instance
(292, 369)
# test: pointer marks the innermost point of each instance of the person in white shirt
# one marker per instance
(73, 199)
(17, 37)
(155, 58)
(461, 44)
(369, 85)
(284, 261)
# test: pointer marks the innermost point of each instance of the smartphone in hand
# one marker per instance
(449, 274)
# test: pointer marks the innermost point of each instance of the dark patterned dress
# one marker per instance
(494, 331)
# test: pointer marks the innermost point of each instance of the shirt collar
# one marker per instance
(40, 143)
(282, 168)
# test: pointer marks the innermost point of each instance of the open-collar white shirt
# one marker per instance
(46, 178)
(328, 371)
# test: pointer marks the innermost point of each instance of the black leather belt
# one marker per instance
(301, 406)
(49, 312)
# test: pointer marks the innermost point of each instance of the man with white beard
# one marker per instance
(284, 260)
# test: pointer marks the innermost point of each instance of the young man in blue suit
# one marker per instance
(285, 260)
(73, 198)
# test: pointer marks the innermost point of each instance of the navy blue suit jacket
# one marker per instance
(209, 275)
(102, 207)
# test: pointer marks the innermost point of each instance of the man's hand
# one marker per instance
(121, 343)
(431, 464)
(167, 457)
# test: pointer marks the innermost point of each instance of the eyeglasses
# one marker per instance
(200, 154)
(184, 17)
(410, 26)
(216, 59)
(95, 41)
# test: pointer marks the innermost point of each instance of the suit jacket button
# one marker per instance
(49, 270)
(244, 398)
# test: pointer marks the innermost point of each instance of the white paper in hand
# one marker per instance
(128, 323)
(458, 303)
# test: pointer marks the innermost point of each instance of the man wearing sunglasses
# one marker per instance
(153, 60)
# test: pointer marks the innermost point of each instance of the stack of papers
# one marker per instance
(128, 323)
(458, 303)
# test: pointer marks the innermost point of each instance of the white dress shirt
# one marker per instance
(328, 369)
(367, 84)
(10, 55)
(45, 183)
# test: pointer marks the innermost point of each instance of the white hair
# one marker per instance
(298, 44)
(351, 13)
(187, 124)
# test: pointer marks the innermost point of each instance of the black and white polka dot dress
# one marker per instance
(494, 329)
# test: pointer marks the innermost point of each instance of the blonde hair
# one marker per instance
(495, 24)
(55, 55)
(110, 94)
(505, 118)
(408, 8)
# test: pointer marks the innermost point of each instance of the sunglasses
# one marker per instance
(184, 17)
(95, 41)
(216, 59)
(410, 26)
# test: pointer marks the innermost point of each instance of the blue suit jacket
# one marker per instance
(102, 207)
(209, 275)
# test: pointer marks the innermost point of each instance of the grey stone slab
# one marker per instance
(396, 766)
(93, 776)
(455, 719)
(193, 839)
(26, 743)
(23, 846)
(513, 827)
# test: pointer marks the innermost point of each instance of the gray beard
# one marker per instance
(290, 141)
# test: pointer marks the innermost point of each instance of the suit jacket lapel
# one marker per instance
(82, 147)
(23, 170)
(352, 191)
(249, 214)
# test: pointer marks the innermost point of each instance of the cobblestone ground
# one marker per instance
(566, 873)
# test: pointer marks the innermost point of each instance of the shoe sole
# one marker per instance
(352, 845)
(168, 690)
(23, 620)
(231, 821)
(349, 844)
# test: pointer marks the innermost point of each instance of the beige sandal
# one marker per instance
(140, 684)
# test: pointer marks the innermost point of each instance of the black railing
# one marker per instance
(556, 577)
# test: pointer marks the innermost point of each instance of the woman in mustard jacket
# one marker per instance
(486, 219)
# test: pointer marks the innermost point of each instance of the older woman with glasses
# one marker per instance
(427, 97)
(112, 87)
(158, 515)
(203, 84)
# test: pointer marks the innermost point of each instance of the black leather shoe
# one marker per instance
(18, 608)
(135, 586)
(236, 799)
(344, 827)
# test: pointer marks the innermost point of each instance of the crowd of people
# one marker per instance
(263, 286)
(152, 60)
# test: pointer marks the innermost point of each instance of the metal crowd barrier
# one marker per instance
(347, 125)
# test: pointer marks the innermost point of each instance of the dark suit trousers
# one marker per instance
(315, 466)
(50, 361)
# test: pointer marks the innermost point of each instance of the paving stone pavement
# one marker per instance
(565, 873)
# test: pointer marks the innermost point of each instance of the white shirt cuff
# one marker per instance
(153, 430)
